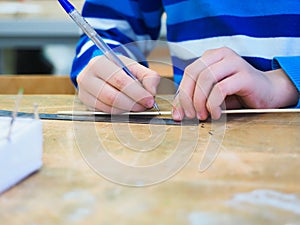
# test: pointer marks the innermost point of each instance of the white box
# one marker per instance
(21, 154)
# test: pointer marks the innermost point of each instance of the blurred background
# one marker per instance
(38, 38)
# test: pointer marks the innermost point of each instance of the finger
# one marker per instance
(108, 95)
(208, 78)
(116, 77)
(190, 77)
(149, 78)
(230, 86)
(187, 86)
(95, 104)
(117, 99)
(177, 110)
(212, 56)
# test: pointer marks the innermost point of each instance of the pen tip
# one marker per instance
(156, 107)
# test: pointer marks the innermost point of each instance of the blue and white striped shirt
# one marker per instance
(259, 31)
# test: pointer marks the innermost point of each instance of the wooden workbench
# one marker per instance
(254, 179)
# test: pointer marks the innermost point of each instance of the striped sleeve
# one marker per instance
(256, 30)
(127, 26)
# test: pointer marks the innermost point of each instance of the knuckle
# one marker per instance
(226, 51)
(105, 96)
(221, 88)
(151, 75)
(111, 98)
(207, 74)
(220, 51)
(120, 81)
(189, 72)
(208, 52)
(156, 76)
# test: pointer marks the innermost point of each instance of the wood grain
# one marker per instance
(253, 180)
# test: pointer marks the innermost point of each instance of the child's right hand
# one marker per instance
(103, 86)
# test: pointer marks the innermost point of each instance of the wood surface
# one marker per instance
(36, 84)
(253, 180)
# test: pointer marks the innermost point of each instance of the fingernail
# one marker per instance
(199, 116)
(149, 103)
(175, 113)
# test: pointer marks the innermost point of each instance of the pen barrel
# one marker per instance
(98, 41)
(89, 30)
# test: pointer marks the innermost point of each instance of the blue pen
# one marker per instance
(95, 37)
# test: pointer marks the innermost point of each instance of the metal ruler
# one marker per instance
(107, 119)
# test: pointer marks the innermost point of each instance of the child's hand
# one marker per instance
(221, 75)
(105, 87)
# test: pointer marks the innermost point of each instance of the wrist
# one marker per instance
(285, 93)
